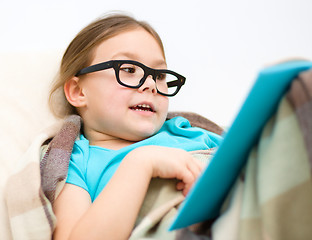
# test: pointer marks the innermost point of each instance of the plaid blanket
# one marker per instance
(272, 198)
(31, 189)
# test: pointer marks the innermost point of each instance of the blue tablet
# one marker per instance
(208, 193)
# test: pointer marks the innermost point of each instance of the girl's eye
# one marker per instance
(128, 69)
(161, 76)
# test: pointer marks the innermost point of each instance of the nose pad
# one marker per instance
(149, 85)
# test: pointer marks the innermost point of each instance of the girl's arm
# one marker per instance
(112, 215)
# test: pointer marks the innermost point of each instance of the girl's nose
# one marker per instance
(149, 85)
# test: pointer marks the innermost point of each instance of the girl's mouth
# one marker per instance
(143, 107)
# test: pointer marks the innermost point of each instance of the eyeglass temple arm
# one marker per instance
(94, 68)
(175, 83)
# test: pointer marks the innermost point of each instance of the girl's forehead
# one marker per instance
(136, 44)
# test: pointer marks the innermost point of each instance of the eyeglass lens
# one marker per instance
(131, 75)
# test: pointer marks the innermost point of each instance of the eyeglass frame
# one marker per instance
(115, 64)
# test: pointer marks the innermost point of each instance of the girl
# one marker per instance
(114, 75)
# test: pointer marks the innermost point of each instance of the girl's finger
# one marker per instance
(180, 186)
(194, 167)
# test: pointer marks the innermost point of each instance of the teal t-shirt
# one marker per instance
(91, 167)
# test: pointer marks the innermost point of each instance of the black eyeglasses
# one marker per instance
(133, 74)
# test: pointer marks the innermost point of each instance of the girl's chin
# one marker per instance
(142, 135)
(140, 130)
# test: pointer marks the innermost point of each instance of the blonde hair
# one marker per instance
(80, 51)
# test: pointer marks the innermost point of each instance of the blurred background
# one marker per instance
(219, 46)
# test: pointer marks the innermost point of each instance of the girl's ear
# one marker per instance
(74, 93)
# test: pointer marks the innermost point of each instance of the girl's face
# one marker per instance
(112, 111)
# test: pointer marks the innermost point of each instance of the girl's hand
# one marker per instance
(165, 162)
